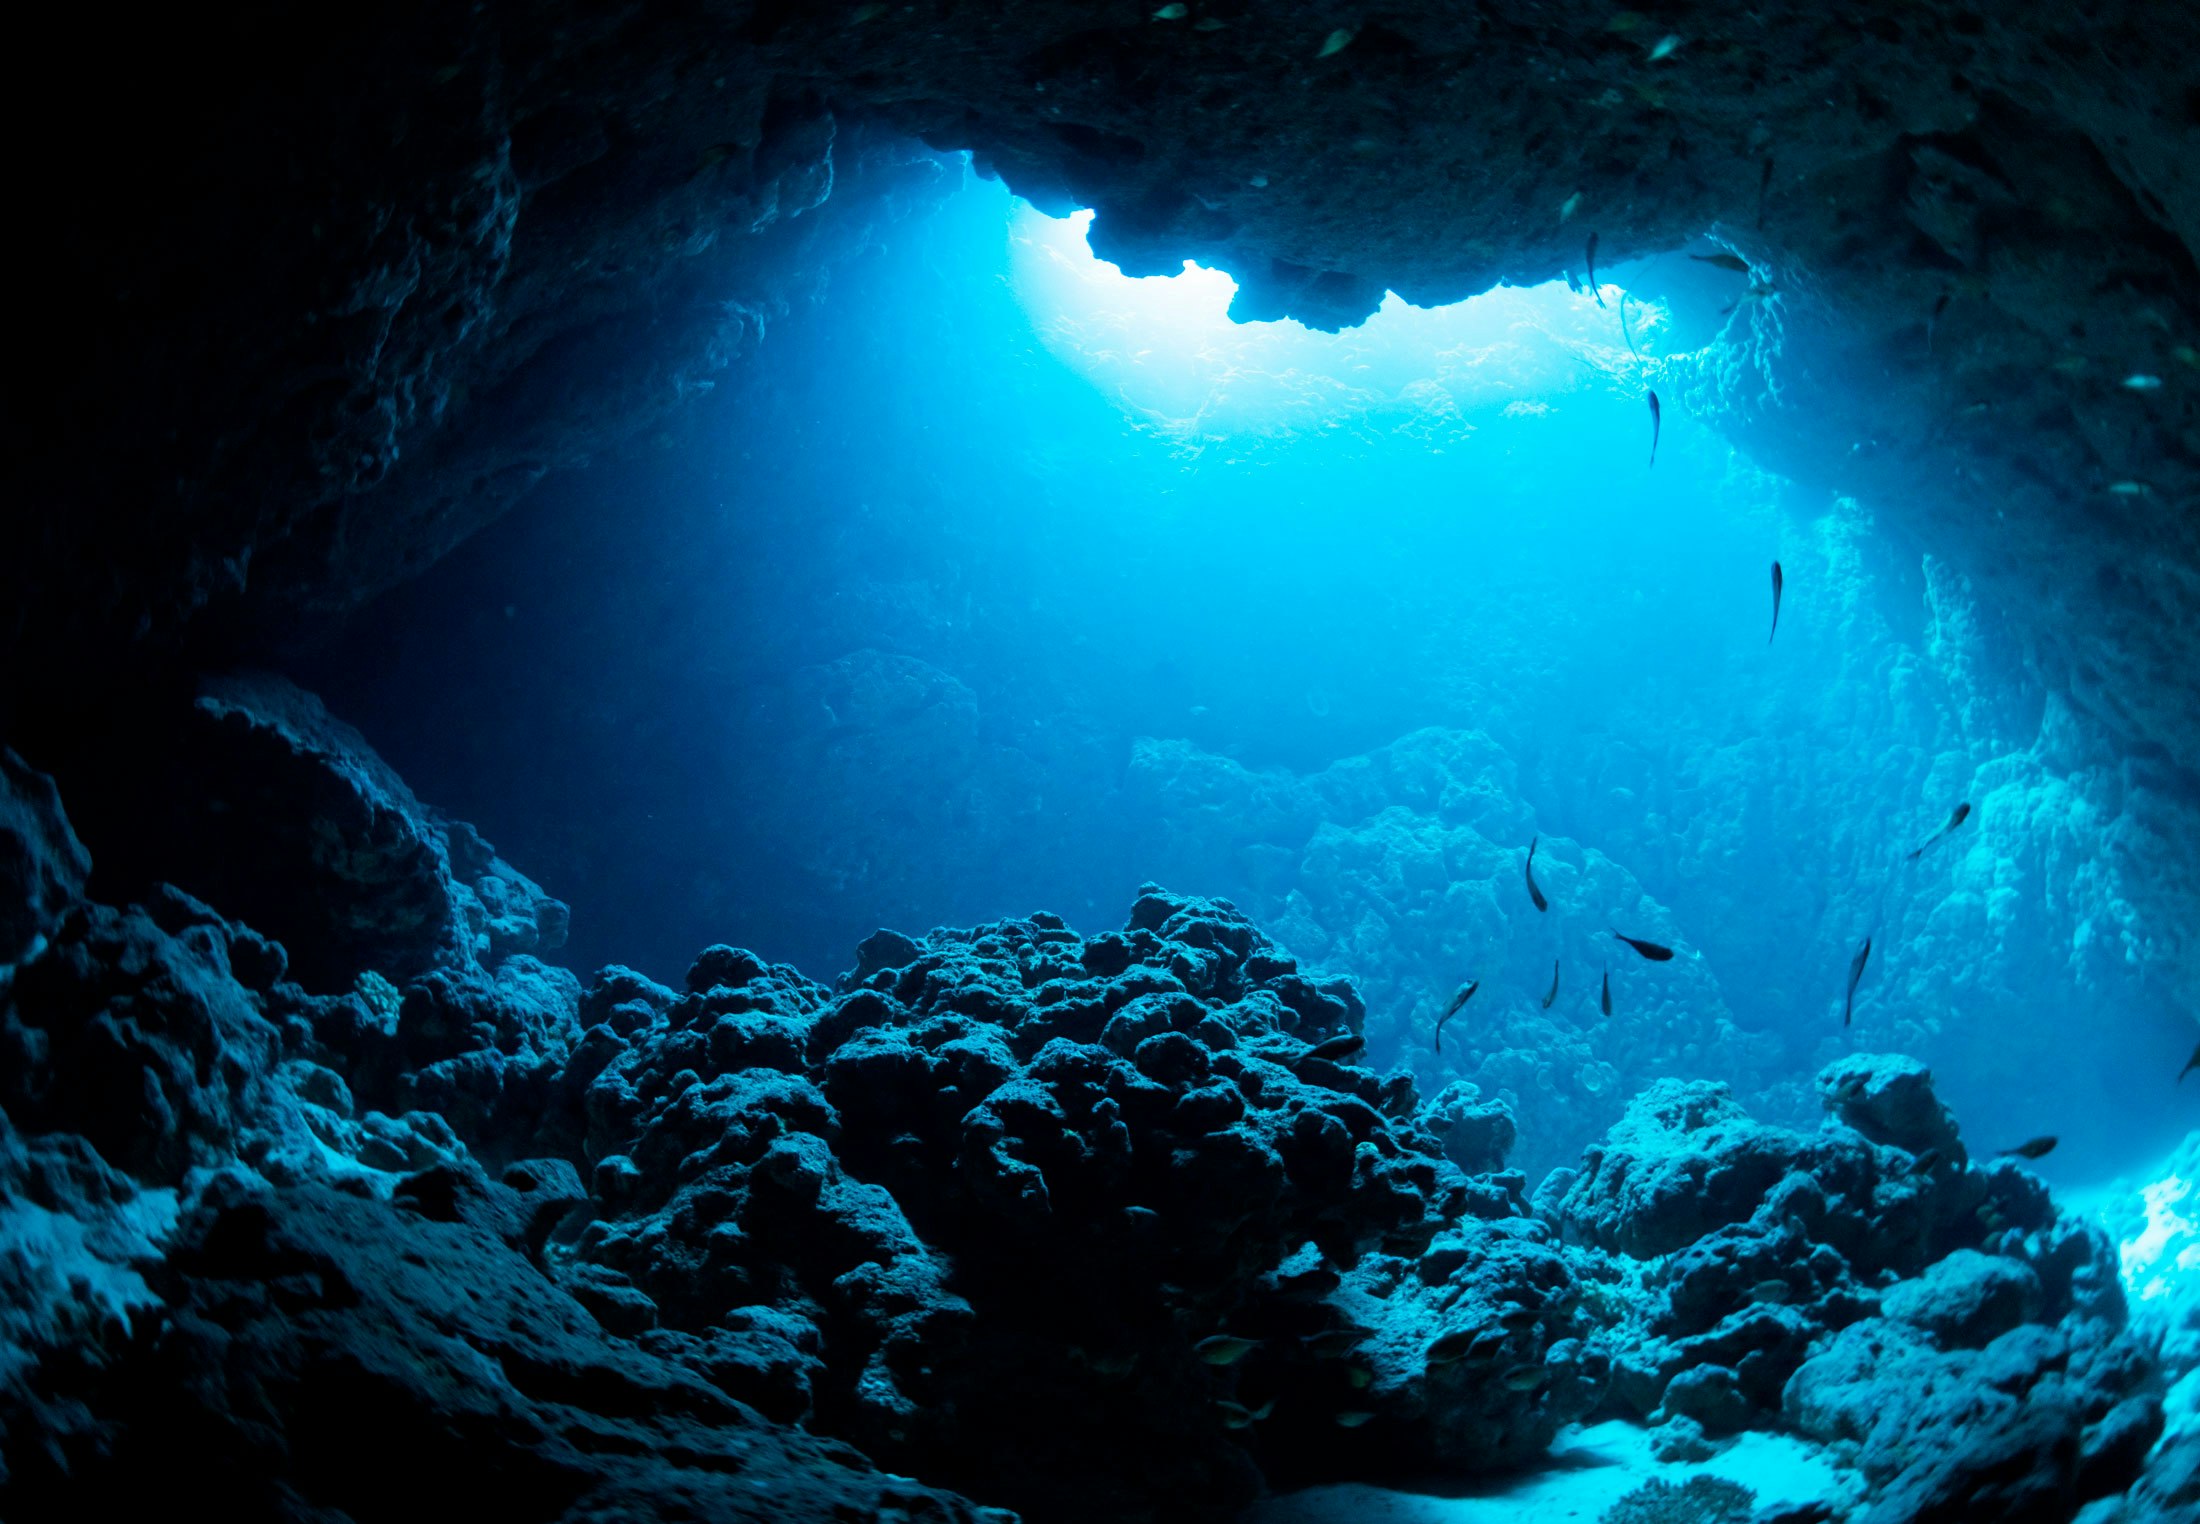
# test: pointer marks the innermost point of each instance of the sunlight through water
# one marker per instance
(1166, 351)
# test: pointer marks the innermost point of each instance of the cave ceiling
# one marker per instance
(324, 293)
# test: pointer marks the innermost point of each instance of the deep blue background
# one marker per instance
(874, 635)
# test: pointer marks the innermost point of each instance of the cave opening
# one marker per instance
(1097, 908)
(1003, 581)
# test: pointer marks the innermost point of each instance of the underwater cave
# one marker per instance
(1247, 764)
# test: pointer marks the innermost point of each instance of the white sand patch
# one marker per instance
(1589, 1470)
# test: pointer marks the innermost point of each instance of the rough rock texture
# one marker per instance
(42, 865)
(218, 1276)
(270, 807)
(984, 1210)
(1404, 865)
(1007, 1205)
(1946, 1328)
(893, 1209)
(319, 1352)
(377, 276)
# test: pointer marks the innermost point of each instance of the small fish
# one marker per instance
(2030, 1148)
(2191, 1064)
(1591, 262)
(1534, 893)
(1453, 1346)
(1460, 997)
(1172, 13)
(1357, 1377)
(1963, 813)
(1656, 422)
(1525, 1378)
(1553, 995)
(2130, 489)
(1773, 1291)
(1569, 206)
(1352, 1419)
(1607, 1000)
(867, 13)
(1924, 1162)
(1656, 952)
(1234, 1415)
(1336, 42)
(1488, 1349)
(1624, 331)
(2142, 382)
(1209, 24)
(1724, 261)
(1335, 1343)
(1338, 1048)
(1856, 975)
(1573, 284)
(1779, 584)
(1223, 1349)
(1667, 46)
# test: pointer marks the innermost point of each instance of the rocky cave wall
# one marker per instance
(999, 1208)
(371, 280)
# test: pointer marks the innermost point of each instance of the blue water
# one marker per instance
(997, 582)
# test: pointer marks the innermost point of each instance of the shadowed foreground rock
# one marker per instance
(1946, 1329)
(1091, 1227)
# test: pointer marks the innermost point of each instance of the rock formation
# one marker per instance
(1003, 1207)
(379, 277)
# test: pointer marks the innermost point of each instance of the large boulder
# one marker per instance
(990, 1147)
(42, 865)
(282, 816)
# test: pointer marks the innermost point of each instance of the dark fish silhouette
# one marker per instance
(2030, 1148)
(1924, 1162)
(1448, 1348)
(1572, 284)
(1779, 583)
(1460, 997)
(1656, 421)
(1344, 1045)
(1933, 322)
(1224, 1349)
(1734, 262)
(1334, 1344)
(2191, 1063)
(1963, 813)
(1591, 261)
(1534, 893)
(1553, 995)
(1856, 974)
(1656, 952)
(1607, 999)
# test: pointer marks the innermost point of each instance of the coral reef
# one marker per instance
(1406, 872)
(1000, 1208)
(1946, 1327)
(1013, 1174)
